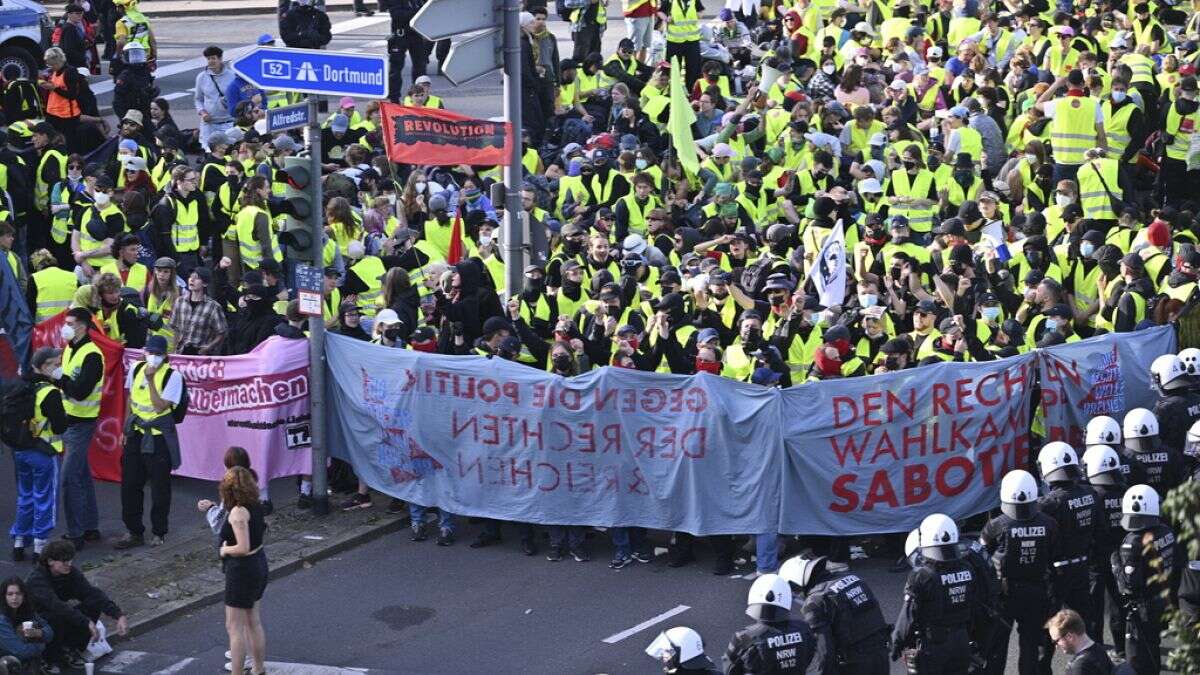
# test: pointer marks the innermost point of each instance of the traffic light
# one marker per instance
(296, 235)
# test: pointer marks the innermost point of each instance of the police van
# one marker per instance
(25, 29)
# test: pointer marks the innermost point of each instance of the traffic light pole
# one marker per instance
(514, 232)
(316, 324)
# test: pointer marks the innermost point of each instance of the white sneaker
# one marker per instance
(249, 664)
(752, 576)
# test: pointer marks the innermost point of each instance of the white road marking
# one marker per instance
(175, 667)
(230, 54)
(118, 662)
(175, 94)
(617, 637)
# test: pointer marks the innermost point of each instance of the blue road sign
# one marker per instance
(314, 71)
(287, 117)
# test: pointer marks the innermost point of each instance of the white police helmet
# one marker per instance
(1102, 430)
(679, 648)
(1191, 446)
(1018, 495)
(799, 571)
(1103, 466)
(1140, 430)
(1058, 462)
(770, 598)
(1168, 373)
(1191, 361)
(1139, 508)
(939, 537)
(912, 547)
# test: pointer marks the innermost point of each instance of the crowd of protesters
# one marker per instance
(1006, 176)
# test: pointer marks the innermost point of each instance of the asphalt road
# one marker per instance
(393, 606)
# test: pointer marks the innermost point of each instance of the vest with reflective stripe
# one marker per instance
(86, 241)
(185, 232)
(970, 142)
(638, 213)
(88, 408)
(41, 423)
(370, 270)
(1141, 66)
(1093, 197)
(1073, 129)
(249, 247)
(1030, 185)
(55, 289)
(1181, 128)
(140, 402)
(136, 279)
(60, 222)
(919, 219)
(1116, 127)
(41, 191)
(1181, 293)
(163, 307)
(139, 29)
(738, 364)
(685, 24)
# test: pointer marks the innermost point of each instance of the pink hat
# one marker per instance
(346, 102)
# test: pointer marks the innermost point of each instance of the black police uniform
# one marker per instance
(851, 634)
(1022, 554)
(1189, 593)
(770, 648)
(941, 603)
(988, 625)
(1076, 510)
(1131, 467)
(1100, 579)
(1143, 567)
(1091, 661)
(1164, 465)
(1176, 412)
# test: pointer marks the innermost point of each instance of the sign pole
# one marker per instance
(316, 325)
(514, 233)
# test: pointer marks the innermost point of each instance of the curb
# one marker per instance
(170, 611)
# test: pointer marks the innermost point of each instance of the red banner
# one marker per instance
(104, 454)
(433, 136)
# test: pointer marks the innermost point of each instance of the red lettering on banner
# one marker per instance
(581, 476)
(880, 491)
(612, 483)
(850, 447)
(981, 388)
(1059, 371)
(941, 394)
(526, 472)
(553, 470)
(1014, 383)
(943, 483)
(842, 491)
(475, 465)
(885, 447)
(638, 486)
(962, 393)
(871, 404)
(838, 421)
(916, 484)
(611, 435)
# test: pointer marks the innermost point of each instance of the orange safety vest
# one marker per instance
(58, 105)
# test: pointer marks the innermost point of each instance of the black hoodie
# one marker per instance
(476, 303)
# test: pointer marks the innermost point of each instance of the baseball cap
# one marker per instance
(726, 14)
(723, 150)
(340, 123)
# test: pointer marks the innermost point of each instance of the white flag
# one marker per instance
(829, 274)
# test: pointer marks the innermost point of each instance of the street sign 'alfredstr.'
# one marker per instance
(314, 71)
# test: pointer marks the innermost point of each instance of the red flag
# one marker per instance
(456, 243)
(432, 136)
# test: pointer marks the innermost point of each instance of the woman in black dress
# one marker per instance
(245, 565)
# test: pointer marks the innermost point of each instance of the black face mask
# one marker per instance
(964, 177)
(934, 162)
(569, 285)
(572, 247)
(534, 286)
(562, 361)
(391, 333)
(777, 300)
(751, 336)
(909, 165)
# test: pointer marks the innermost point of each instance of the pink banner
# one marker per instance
(258, 401)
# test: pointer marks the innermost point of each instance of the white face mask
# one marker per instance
(1032, 159)
(1118, 96)
(485, 239)
(1051, 324)
(67, 332)
(102, 198)
(57, 374)
(1086, 249)
(641, 164)
(990, 313)
(1062, 201)
(420, 187)
(154, 360)
(980, 81)
(75, 175)
(868, 299)
(828, 69)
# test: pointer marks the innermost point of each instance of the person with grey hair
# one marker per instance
(64, 88)
(35, 457)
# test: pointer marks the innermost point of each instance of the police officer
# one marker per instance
(1177, 401)
(851, 634)
(941, 604)
(1191, 451)
(681, 650)
(1076, 511)
(1021, 542)
(1104, 430)
(1143, 567)
(775, 643)
(1103, 467)
(1164, 465)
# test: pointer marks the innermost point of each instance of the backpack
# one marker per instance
(22, 101)
(179, 412)
(754, 277)
(17, 401)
